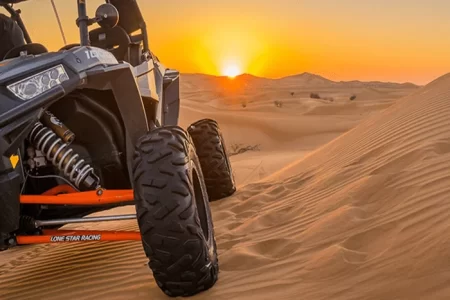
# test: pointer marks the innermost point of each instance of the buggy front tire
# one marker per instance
(213, 156)
(173, 212)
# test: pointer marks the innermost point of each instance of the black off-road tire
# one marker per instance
(173, 212)
(213, 156)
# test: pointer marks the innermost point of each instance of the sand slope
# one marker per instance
(363, 217)
(362, 214)
(283, 134)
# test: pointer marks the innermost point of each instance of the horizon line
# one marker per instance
(297, 74)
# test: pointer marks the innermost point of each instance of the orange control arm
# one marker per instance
(64, 236)
(81, 198)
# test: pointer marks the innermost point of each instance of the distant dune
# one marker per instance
(307, 80)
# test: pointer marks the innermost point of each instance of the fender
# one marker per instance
(120, 79)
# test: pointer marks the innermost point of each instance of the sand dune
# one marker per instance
(335, 205)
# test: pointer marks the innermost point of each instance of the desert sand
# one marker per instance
(337, 199)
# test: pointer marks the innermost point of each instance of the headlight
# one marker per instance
(37, 84)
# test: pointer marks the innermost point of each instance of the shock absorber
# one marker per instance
(49, 120)
(62, 156)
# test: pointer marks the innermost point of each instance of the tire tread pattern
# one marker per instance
(211, 151)
(183, 262)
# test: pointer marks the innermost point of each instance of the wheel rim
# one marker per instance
(201, 206)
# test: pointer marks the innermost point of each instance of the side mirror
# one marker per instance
(107, 16)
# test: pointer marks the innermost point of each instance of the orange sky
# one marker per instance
(341, 40)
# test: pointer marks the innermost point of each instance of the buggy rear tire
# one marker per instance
(213, 156)
(173, 212)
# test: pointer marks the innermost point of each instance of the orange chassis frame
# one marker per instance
(66, 195)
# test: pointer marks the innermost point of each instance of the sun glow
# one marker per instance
(231, 71)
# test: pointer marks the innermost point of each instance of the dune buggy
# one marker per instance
(94, 126)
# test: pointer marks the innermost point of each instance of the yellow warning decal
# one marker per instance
(14, 160)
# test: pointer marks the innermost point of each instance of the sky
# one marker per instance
(387, 40)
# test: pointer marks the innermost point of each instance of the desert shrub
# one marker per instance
(244, 104)
(240, 148)
(353, 97)
(292, 93)
(314, 96)
(278, 103)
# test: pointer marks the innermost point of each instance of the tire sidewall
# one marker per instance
(195, 165)
(227, 158)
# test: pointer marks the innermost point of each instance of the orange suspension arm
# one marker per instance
(82, 198)
(64, 236)
(72, 197)
(63, 188)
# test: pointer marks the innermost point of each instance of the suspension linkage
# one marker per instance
(99, 197)
(41, 223)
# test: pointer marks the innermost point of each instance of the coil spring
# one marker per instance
(64, 158)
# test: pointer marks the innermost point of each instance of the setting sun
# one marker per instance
(231, 71)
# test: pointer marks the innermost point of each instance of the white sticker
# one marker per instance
(76, 238)
(101, 55)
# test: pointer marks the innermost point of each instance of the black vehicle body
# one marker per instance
(135, 98)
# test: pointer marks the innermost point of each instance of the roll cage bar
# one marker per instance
(15, 15)
(130, 19)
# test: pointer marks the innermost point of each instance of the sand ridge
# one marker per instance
(361, 212)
